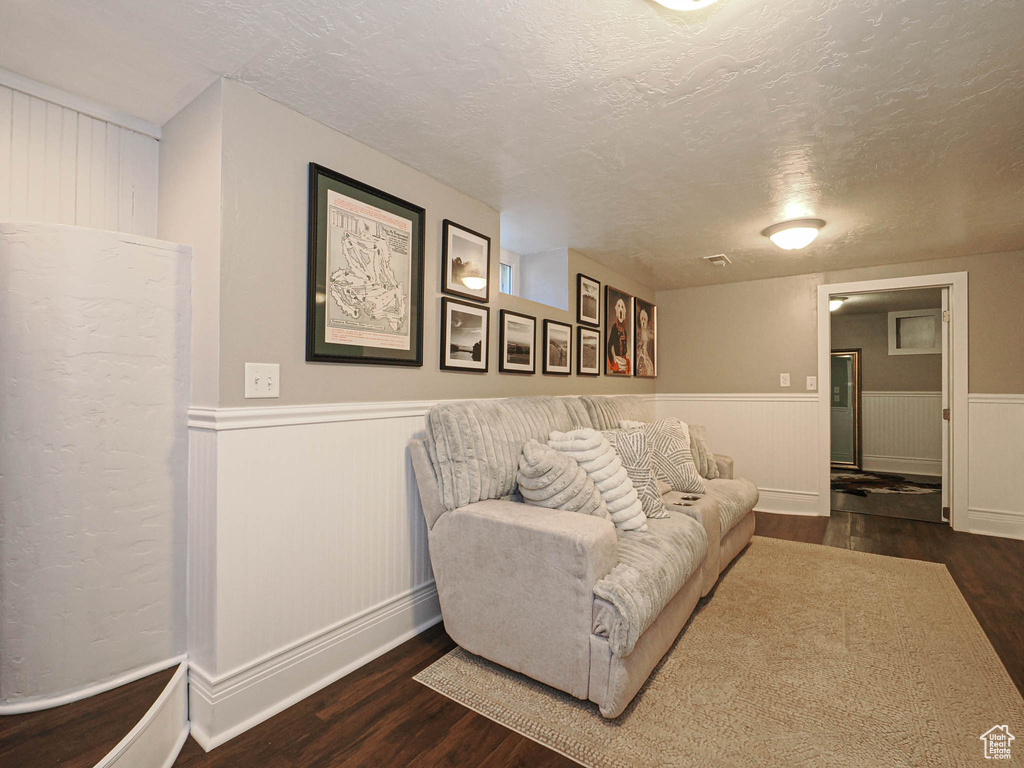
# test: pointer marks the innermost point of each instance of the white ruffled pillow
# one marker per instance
(550, 479)
(595, 455)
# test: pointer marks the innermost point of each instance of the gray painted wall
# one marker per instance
(880, 371)
(738, 337)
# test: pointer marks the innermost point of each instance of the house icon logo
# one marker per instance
(997, 742)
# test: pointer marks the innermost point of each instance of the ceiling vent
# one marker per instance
(719, 259)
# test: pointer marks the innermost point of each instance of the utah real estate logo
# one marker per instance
(997, 742)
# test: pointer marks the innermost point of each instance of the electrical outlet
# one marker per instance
(262, 380)
(783, 379)
(812, 383)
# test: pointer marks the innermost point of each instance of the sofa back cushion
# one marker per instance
(607, 411)
(475, 445)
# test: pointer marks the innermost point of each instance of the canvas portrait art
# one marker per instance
(463, 336)
(466, 262)
(618, 332)
(645, 338)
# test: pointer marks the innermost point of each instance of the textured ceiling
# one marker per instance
(642, 137)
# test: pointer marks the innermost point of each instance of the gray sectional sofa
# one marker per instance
(564, 598)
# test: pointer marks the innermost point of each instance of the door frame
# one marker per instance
(858, 449)
(956, 282)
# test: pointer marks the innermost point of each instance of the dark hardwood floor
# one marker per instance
(78, 735)
(378, 716)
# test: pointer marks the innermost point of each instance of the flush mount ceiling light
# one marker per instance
(794, 235)
(835, 302)
(684, 5)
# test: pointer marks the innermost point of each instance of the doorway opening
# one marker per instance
(892, 369)
(886, 404)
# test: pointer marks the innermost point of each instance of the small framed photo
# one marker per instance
(466, 263)
(588, 300)
(645, 338)
(464, 336)
(588, 357)
(557, 348)
(618, 332)
(517, 343)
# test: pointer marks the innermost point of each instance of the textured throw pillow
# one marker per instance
(592, 451)
(669, 443)
(549, 478)
(707, 467)
(630, 445)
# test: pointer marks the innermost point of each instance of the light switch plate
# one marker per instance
(783, 379)
(812, 383)
(262, 380)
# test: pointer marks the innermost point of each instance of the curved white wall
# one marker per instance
(94, 372)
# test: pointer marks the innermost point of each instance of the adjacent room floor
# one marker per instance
(379, 716)
(911, 497)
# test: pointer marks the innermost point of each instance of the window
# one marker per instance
(505, 279)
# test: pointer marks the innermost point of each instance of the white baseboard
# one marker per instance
(48, 702)
(901, 465)
(996, 522)
(159, 736)
(788, 502)
(224, 707)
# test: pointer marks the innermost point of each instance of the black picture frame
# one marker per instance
(505, 364)
(618, 333)
(587, 338)
(476, 343)
(472, 251)
(645, 339)
(588, 300)
(342, 324)
(553, 348)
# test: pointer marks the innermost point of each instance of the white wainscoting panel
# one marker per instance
(62, 166)
(320, 561)
(902, 432)
(996, 465)
(771, 437)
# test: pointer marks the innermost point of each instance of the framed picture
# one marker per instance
(618, 332)
(364, 301)
(588, 355)
(588, 300)
(464, 335)
(466, 262)
(645, 338)
(517, 343)
(557, 348)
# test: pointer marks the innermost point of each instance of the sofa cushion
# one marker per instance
(653, 565)
(630, 445)
(607, 411)
(702, 455)
(669, 443)
(549, 478)
(474, 445)
(735, 499)
(592, 451)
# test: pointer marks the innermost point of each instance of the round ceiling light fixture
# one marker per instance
(684, 5)
(795, 234)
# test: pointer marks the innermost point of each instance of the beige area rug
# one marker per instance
(805, 655)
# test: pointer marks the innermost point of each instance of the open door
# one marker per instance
(946, 407)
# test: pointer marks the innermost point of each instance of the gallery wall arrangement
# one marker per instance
(365, 296)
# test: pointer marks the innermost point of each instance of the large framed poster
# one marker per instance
(365, 281)
(618, 332)
(645, 338)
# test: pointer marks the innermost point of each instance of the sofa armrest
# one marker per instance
(725, 467)
(516, 585)
(705, 511)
